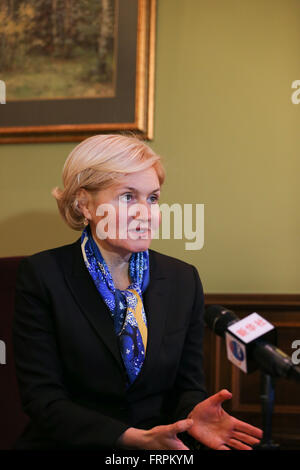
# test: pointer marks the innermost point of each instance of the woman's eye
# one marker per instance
(154, 199)
(126, 197)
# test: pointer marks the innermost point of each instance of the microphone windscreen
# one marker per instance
(218, 318)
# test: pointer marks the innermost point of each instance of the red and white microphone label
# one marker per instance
(251, 327)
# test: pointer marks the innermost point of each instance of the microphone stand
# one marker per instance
(267, 400)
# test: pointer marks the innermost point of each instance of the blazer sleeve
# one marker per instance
(44, 396)
(190, 384)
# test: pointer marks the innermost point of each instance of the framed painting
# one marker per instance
(74, 68)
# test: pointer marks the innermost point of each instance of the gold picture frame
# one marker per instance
(137, 71)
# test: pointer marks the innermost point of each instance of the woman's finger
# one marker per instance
(238, 445)
(219, 397)
(247, 428)
(241, 436)
(223, 447)
(181, 426)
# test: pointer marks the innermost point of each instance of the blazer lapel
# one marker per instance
(98, 314)
(90, 301)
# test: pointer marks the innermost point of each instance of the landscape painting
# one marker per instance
(73, 68)
(57, 48)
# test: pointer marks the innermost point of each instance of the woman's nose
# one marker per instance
(141, 211)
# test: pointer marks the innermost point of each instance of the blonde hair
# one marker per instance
(95, 164)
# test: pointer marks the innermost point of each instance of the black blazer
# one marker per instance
(70, 373)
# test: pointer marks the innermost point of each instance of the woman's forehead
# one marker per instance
(138, 181)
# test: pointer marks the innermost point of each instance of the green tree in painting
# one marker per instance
(16, 25)
(55, 47)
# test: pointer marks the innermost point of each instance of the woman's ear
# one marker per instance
(84, 200)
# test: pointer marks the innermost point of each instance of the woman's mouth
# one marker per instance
(140, 231)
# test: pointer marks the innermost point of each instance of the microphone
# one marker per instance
(251, 342)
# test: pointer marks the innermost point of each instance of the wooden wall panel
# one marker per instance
(284, 312)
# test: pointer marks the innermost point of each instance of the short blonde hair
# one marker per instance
(95, 164)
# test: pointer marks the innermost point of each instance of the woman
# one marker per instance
(107, 332)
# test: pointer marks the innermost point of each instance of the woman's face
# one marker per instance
(125, 216)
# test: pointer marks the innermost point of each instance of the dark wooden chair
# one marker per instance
(13, 419)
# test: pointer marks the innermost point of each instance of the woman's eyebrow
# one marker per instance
(134, 189)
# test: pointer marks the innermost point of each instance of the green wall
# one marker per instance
(229, 135)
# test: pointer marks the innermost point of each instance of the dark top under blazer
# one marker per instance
(70, 373)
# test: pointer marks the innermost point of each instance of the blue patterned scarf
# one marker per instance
(126, 306)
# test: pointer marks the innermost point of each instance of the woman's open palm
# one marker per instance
(216, 429)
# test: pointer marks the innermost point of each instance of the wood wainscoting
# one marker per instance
(283, 311)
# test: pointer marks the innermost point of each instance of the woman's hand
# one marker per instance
(158, 438)
(217, 429)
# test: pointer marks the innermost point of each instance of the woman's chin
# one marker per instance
(140, 244)
(131, 244)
